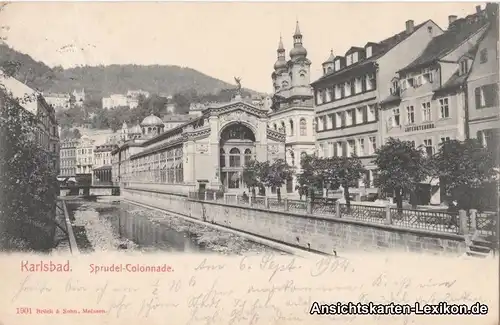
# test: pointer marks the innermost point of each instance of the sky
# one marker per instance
(223, 40)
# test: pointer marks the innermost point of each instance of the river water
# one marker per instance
(104, 225)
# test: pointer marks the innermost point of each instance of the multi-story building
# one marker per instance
(32, 101)
(348, 94)
(226, 137)
(85, 155)
(196, 109)
(102, 167)
(68, 157)
(174, 120)
(293, 110)
(482, 85)
(58, 101)
(115, 100)
(79, 96)
(428, 100)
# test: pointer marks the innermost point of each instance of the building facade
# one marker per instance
(293, 110)
(115, 100)
(347, 96)
(174, 120)
(68, 158)
(482, 86)
(58, 101)
(428, 102)
(79, 96)
(102, 167)
(207, 152)
(85, 155)
(47, 134)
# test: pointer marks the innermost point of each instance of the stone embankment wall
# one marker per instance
(309, 232)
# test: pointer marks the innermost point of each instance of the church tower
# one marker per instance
(280, 75)
(292, 109)
(299, 67)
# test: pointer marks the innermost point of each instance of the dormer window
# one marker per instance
(369, 52)
(464, 67)
(329, 69)
(348, 60)
(337, 65)
(355, 57)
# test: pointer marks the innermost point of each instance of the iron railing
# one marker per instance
(438, 221)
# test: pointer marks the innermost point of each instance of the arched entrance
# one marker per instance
(237, 148)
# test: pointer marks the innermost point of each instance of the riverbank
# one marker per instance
(100, 226)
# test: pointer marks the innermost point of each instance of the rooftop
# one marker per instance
(459, 32)
(24, 94)
(384, 46)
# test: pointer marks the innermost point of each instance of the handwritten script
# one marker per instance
(269, 289)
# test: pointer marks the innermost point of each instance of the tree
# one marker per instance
(76, 134)
(465, 169)
(401, 167)
(345, 171)
(28, 184)
(276, 174)
(310, 176)
(252, 175)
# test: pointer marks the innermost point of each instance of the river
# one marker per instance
(104, 225)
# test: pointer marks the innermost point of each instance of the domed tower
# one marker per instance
(299, 66)
(328, 65)
(280, 74)
(152, 125)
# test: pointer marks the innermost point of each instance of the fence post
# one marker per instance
(462, 217)
(285, 203)
(309, 206)
(388, 219)
(250, 200)
(473, 220)
(225, 198)
(337, 209)
(206, 195)
(215, 196)
(266, 202)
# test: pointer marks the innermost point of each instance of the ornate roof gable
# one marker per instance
(237, 109)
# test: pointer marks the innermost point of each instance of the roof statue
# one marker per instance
(238, 85)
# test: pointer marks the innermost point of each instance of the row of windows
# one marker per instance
(68, 162)
(67, 171)
(347, 148)
(350, 117)
(102, 154)
(162, 167)
(68, 153)
(345, 89)
(235, 157)
(290, 130)
(425, 114)
(349, 59)
(84, 151)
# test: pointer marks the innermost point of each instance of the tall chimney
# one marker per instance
(451, 19)
(409, 26)
(478, 9)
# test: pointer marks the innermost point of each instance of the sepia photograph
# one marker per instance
(248, 163)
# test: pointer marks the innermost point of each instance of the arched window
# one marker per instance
(237, 132)
(303, 126)
(234, 158)
(248, 156)
(222, 161)
(283, 127)
(275, 127)
(291, 127)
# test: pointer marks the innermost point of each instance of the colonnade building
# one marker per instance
(207, 152)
